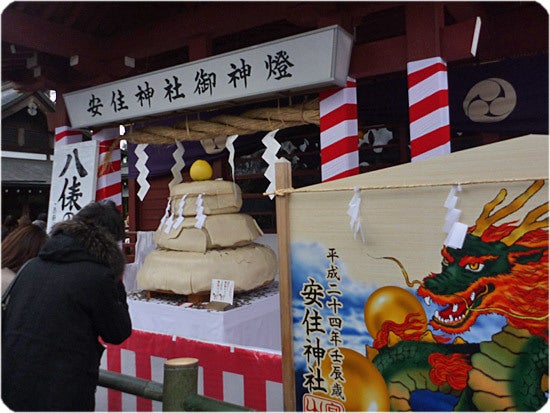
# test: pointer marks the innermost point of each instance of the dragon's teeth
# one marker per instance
(455, 308)
(473, 296)
(427, 300)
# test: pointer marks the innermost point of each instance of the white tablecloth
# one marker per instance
(254, 324)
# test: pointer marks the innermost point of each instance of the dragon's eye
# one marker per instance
(474, 267)
(445, 262)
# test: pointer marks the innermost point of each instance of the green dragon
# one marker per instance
(499, 270)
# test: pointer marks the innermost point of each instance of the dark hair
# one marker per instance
(10, 221)
(22, 244)
(42, 217)
(9, 224)
(103, 214)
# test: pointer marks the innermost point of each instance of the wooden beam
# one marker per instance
(200, 47)
(75, 13)
(379, 57)
(462, 10)
(456, 40)
(36, 33)
(523, 31)
(391, 55)
(177, 30)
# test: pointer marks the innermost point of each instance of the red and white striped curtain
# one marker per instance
(64, 135)
(109, 176)
(338, 113)
(428, 108)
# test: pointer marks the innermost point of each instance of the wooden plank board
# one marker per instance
(402, 215)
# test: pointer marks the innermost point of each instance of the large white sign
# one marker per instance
(74, 180)
(303, 62)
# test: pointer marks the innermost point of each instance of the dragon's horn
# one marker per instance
(485, 220)
(528, 224)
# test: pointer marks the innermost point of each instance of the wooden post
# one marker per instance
(283, 180)
(180, 382)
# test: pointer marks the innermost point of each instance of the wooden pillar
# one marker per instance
(59, 117)
(283, 180)
(424, 22)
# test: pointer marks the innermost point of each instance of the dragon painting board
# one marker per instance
(411, 318)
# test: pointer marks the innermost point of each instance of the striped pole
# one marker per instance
(109, 176)
(64, 135)
(338, 113)
(428, 108)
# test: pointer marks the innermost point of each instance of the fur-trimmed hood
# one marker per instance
(74, 240)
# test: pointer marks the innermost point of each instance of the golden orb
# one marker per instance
(391, 303)
(200, 170)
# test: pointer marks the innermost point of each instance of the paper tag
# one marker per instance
(222, 291)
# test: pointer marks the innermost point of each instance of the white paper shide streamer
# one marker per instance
(354, 210)
(168, 224)
(270, 156)
(178, 166)
(231, 149)
(200, 217)
(456, 231)
(179, 213)
(142, 169)
(166, 214)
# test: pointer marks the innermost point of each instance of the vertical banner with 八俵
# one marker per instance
(441, 303)
(74, 180)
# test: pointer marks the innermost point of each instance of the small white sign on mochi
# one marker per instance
(222, 291)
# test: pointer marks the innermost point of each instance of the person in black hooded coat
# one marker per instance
(63, 300)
